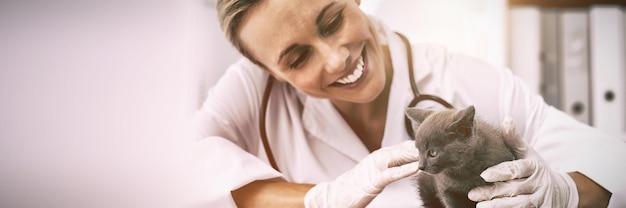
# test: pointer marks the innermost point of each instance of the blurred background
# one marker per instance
(95, 95)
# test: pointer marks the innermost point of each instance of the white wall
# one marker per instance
(474, 27)
(213, 53)
(94, 95)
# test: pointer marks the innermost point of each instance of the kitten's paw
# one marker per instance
(513, 139)
(508, 125)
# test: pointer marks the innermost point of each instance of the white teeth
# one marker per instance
(356, 74)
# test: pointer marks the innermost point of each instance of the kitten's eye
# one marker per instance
(432, 153)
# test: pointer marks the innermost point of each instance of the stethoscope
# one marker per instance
(417, 98)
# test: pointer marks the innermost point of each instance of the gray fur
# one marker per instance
(461, 147)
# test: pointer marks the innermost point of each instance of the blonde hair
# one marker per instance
(230, 15)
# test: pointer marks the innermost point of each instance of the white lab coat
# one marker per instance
(312, 143)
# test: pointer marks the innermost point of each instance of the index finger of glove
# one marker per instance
(396, 173)
(496, 190)
(401, 154)
(509, 170)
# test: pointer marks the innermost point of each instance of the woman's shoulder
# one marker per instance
(432, 53)
(431, 60)
(243, 76)
(440, 59)
(246, 71)
(241, 84)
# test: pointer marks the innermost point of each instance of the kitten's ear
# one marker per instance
(463, 122)
(417, 115)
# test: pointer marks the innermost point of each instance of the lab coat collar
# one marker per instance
(322, 120)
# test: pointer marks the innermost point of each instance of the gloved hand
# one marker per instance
(360, 185)
(525, 182)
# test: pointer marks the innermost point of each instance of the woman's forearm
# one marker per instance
(271, 194)
(590, 194)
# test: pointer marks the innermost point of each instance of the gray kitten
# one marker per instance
(454, 149)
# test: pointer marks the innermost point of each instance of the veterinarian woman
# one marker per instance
(332, 114)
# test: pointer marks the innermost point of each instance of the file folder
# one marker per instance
(574, 64)
(607, 69)
(550, 86)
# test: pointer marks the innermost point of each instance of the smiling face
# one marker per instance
(323, 48)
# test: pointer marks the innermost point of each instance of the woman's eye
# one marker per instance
(432, 153)
(300, 59)
(332, 23)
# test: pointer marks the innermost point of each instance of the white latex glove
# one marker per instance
(525, 182)
(360, 185)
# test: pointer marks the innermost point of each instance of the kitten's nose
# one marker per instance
(422, 165)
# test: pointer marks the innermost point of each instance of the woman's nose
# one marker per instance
(337, 59)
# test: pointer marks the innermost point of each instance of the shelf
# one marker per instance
(565, 3)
